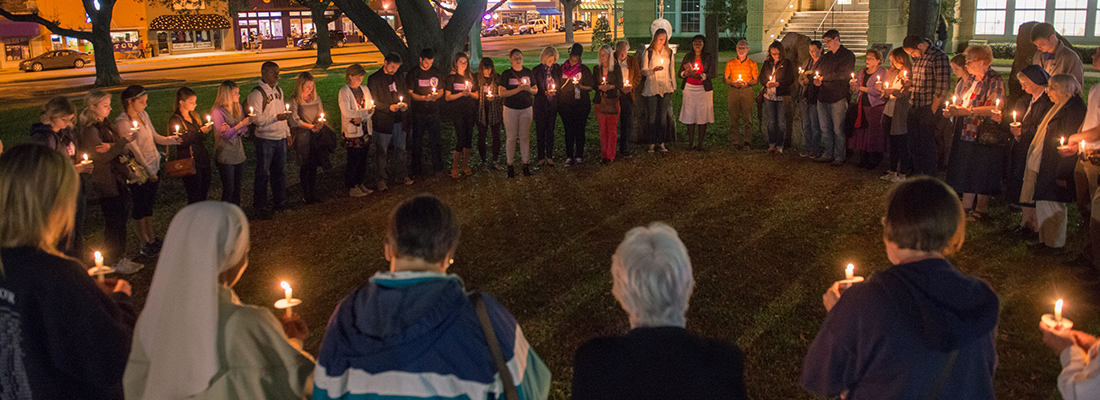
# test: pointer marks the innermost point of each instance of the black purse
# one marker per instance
(993, 134)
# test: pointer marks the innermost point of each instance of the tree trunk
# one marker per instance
(567, 11)
(924, 16)
(321, 41)
(475, 44)
(106, 70)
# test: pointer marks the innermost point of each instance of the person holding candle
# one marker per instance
(134, 124)
(106, 148)
(1077, 351)
(631, 72)
(547, 78)
(740, 75)
(195, 339)
(575, 103)
(833, 92)
(66, 336)
(811, 125)
(660, 82)
(387, 123)
(1089, 261)
(229, 126)
(697, 109)
(1048, 175)
(652, 280)
(271, 141)
(895, 116)
(929, 83)
(423, 84)
(514, 86)
(490, 114)
(192, 133)
(920, 329)
(440, 347)
(978, 152)
(1029, 112)
(461, 96)
(608, 91)
(55, 130)
(780, 75)
(355, 122)
(308, 133)
(869, 137)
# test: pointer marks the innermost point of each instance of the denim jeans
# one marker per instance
(430, 125)
(831, 117)
(381, 148)
(270, 168)
(626, 123)
(657, 117)
(775, 114)
(545, 115)
(230, 175)
(811, 128)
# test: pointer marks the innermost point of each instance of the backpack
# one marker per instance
(252, 126)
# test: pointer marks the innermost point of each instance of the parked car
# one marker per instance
(498, 30)
(577, 26)
(338, 39)
(534, 26)
(56, 59)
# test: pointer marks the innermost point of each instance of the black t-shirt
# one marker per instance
(511, 79)
(455, 84)
(384, 89)
(421, 82)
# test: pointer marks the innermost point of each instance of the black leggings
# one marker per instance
(464, 130)
(356, 170)
(900, 159)
(114, 227)
(495, 131)
(573, 119)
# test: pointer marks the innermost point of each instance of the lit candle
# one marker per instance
(849, 272)
(467, 87)
(99, 268)
(1058, 311)
(177, 129)
(135, 125)
(800, 70)
(997, 104)
(251, 112)
(209, 120)
(287, 107)
(1055, 321)
(626, 82)
(1062, 141)
(696, 66)
(739, 78)
(817, 74)
(886, 85)
(905, 74)
(85, 159)
(853, 76)
(371, 106)
(1014, 116)
(321, 117)
(433, 90)
(1082, 147)
(954, 99)
(771, 78)
(400, 100)
(289, 297)
(553, 86)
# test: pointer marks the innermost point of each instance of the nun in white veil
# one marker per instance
(194, 339)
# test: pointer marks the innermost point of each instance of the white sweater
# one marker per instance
(143, 141)
(266, 119)
(349, 109)
(1080, 377)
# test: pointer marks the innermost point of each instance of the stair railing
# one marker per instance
(827, 14)
(783, 17)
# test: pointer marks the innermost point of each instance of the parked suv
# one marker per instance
(534, 26)
(498, 30)
(310, 42)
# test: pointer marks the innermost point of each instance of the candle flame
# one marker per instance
(1058, 307)
(850, 270)
(98, 259)
(1062, 141)
(85, 156)
(208, 118)
(135, 124)
(286, 286)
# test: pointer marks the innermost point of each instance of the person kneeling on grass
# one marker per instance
(917, 330)
(658, 359)
(1080, 377)
(413, 332)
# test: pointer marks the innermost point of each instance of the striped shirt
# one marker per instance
(931, 77)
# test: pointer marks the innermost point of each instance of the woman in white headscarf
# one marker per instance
(194, 338)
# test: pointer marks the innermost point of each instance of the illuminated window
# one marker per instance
(990, 18)
(1069, 17)
(1029, 11)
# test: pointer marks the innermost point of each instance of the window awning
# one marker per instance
(549, 11)
(595, 6)
(189, 22)
(529, 5)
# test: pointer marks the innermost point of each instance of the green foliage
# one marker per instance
(601, 34)
(731, 16)
(947, 10)
(1007, 51)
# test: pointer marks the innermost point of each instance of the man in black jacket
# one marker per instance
(388, 90)
(836, 68)
(424, 83)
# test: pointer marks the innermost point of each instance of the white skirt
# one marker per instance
(698, 105)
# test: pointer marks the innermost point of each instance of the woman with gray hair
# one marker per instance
(658, 358)
(1048, 176)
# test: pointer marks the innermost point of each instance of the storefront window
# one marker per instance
(296, 28)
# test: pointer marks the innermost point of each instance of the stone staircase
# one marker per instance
(852, 25)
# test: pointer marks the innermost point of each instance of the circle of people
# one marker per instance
(414, 331)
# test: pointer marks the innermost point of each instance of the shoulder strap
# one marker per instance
(937, 387)
(510, 392)
(263, 94)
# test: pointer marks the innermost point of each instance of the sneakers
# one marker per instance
(568, 162)
(578, 161)
(779, 149)
(382, 186)
(357, 192)
(823, 159)
(408, 181)
(126, 267)
(898, 178)
(889, 177)
(150, 250)
(651, 148)
(511, 171)
(526, 170)
(550, 162)
(662, 148)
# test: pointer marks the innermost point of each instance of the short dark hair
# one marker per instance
(423, 227)
(924, 214)
(831, 34)
(427, 54)
(699, 37)
(959, 59)
(514, 51)
(1042, 30)
(816, 43)
(355, 70)
(393, 58)
(913, 42)
(268, 66)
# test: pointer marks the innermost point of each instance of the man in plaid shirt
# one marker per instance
(929, 84)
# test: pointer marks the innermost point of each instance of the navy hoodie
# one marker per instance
(890, 337)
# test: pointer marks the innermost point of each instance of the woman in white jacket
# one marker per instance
(356, 108)
(1080, 377)
(659, 84)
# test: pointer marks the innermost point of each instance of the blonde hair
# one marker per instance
(57, 107)
(304, 77)
(88, 117)
(610, 57)
(224, 99)
(38, 190)
(548, 51)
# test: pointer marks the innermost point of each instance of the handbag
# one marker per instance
(608, 105)
(136, 174)
(180, 168)
(992, 134)
(506, 379)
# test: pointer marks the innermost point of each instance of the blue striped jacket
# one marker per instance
(415, 335)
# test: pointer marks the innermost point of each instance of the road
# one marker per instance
(18, 87)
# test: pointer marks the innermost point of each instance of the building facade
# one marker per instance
(188, 26)
(23, 40)
(281, 23)
(998, 21)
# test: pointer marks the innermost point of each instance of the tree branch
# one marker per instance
(335, 16)
(440, 5)
(52, 26)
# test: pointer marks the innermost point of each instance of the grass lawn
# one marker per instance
(766, 234)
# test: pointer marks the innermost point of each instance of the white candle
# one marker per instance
(626, 82)
(997, 104)
(287, 107)
(1062, 141)
(135, 125)
(739, 78)
(209, 120)
(1058, 311)
(817, 74)
(905, 74)
(886, 85)
(553, 86)
(1082, 146)
(849, 272)
(250, 112)
(289, 297)
(321, 117)
(99, 264)
(1014, 116)
(800, 70)
(177, 129)
(85, 158)
(433, 90)
(853, 76)
(696, 66)
(400, 99)
(371, 106)
(954, 99)
(467, 87)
